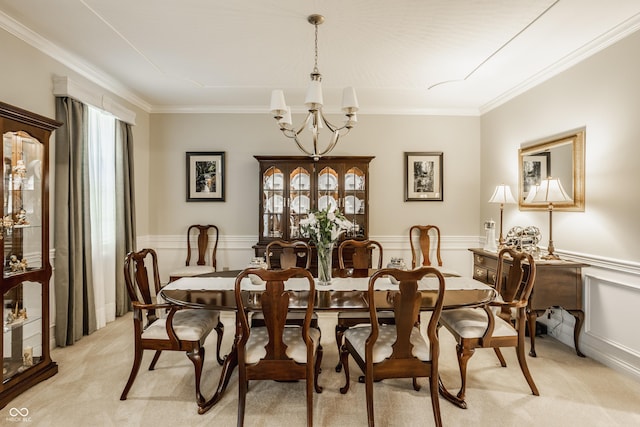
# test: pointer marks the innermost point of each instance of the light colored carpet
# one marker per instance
(574, 391)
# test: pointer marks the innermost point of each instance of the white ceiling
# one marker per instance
(402, 56)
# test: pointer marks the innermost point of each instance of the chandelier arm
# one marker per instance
(334, 141)
(302, 148)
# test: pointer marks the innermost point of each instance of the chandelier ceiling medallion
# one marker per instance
(315, 119)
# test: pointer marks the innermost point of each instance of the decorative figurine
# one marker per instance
(21, 217)
(23, 265)
(27, 356)
(7, 221)
(14, 264)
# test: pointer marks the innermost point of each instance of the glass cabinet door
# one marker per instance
(300, 199)
(355, 200)
(22, 217)
(273, 202)
(22, 329)
(328, 188)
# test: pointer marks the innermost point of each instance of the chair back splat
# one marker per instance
(203, 238)
(423, 249)
(287, 254)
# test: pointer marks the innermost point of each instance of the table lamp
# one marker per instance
(550, 191)
(502, 195)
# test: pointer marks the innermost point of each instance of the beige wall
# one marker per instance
(385, 137)
(603, 94)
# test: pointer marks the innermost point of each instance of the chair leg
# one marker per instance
(344, 358)
(522, 360)
(156, 356)
(339, 334)
(435, 399)
(220, 332)
(464, 354)
(197, 356)
(416, 386)
(242, 396)
(503, 362)
(317, 370)
(368, 385)
(137, 361)
(309, 386)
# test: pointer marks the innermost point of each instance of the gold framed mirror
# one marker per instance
(561, 156)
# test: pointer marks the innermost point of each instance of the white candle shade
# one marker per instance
(349, 100)
(278, 104)
(314, 94)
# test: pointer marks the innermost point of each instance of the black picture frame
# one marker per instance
(205, 176)
(423, 176)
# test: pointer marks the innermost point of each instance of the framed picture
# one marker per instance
(205, 176)
(423, 176)
(534, 169)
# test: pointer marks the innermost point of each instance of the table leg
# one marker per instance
(579, 316)
(531, 322)
(230, 363)
(450, 397)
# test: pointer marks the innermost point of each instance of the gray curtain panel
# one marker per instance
(75, 307)
(125, 211)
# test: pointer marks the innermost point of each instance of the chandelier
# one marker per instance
(315, 119)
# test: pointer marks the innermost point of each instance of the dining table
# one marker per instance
(347, 291)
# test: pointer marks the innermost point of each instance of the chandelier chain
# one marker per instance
(315, 61)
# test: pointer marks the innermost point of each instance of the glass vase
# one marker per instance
(325, 258)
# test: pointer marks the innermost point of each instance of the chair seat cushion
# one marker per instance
(292, 337)
(189, 325)
(472, 322)
(382, 349)
(192, 270)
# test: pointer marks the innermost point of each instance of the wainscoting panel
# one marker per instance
(612, 314)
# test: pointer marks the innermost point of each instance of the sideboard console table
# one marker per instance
(558, 284)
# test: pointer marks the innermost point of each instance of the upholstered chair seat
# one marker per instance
(387, 336)
(292, 338)
(188, 325)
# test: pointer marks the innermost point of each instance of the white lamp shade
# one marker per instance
(286, 118)
(314, 94)
(551, 191)
(278, 104)
(502, 194)
(349, 100)
(532, 193)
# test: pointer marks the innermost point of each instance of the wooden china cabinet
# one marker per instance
(24, 287)
(291, 186)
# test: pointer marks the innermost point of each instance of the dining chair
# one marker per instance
(397, 350)
(289, 254)
(420, 239)
(501, 323)
(296, 253)
(277, 351)
(361, 254)
(199, 237)
(181, 330)
(422, 249)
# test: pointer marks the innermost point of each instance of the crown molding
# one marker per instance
(70, 60)
(598, 44)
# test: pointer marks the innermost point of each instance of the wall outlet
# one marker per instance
(225, 268)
